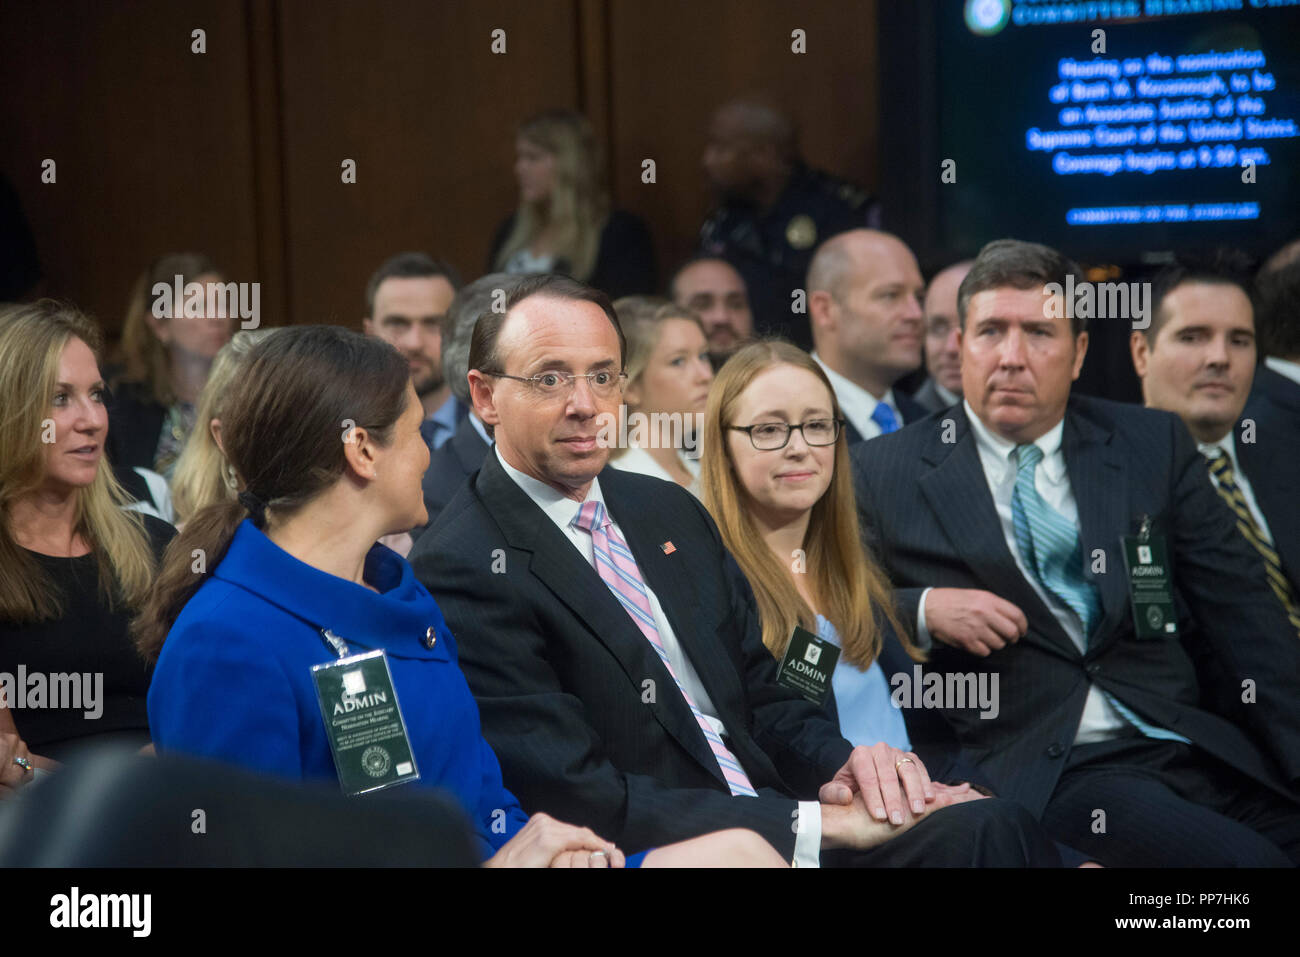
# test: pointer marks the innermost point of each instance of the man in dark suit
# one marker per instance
(462, 454)
(864, 304)
(942, 390)
(1274, 404)
(1196, 358)
(1001, 524)
(619, 678)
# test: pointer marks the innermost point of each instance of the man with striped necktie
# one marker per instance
(621, 678)
(1197, 359)
(1005, 529)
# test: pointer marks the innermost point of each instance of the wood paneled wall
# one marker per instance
(238, 151)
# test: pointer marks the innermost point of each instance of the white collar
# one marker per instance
(1284, 367)
(1227, 445)
(999, 448)
(559, 508)
(850, 393)
(949, 398)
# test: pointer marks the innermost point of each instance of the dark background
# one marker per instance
(237, 152)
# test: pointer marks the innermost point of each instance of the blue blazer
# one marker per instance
(233, 682)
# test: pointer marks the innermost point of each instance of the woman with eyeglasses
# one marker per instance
(776, 477)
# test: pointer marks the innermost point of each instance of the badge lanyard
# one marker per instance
(363, 720)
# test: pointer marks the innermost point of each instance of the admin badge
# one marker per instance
(812, 654)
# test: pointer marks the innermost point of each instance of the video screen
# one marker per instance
(1114, 129)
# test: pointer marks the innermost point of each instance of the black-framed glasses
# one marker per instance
(603, 384)
(769, 436)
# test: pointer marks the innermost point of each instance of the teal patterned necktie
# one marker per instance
(1049, 543)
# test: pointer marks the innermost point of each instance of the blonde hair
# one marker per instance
(144, 357)
(852, 589)
(32, 340)
(642, 319)
(202, 476)
(579, 203)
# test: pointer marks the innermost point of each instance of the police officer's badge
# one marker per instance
(801, 231)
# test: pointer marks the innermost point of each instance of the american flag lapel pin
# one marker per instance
(668, 548)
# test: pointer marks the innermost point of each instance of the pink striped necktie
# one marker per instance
(618, 570)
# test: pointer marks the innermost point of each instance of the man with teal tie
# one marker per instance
(1197, 359)
(864, 304)
(1075, 549)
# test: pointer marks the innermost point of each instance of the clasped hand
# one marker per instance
(889, 785)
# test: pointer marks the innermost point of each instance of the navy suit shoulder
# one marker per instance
(450, 465)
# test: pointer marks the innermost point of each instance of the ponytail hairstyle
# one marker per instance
(301, 392)
(32, 340)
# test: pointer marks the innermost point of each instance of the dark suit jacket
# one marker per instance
(586, 721)
(908, 409)
(449, 466)
(928, 507)
(1272, 462)
(135, 420)
(625, 261)
(928, 397)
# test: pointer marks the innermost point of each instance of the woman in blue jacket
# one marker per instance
(256, 595)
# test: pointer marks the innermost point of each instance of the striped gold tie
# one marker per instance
(1230, 492)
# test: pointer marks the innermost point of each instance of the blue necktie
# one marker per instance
(884, 417)
(1050, 546)
(1049, 543)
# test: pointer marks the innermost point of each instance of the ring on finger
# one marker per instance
(901, 761)
(23, 763)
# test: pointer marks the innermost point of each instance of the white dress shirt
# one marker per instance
(562, 510)
(949, 398)
(1284, 367)
(1100, 720)
(637, 459)
(857, 404)
(1228, 445)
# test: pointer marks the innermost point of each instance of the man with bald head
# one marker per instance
(773, 210)
(620, 677)
(942, 390)
(864, 301)
(714, 291)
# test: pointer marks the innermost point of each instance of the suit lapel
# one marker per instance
(957, 491)
(559, 566)
(1099, 479)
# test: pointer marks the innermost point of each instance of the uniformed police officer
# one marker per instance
(773, 210)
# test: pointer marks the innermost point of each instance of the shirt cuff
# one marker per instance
(922, 633)
(808, 835)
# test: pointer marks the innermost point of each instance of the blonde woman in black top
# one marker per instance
(75, 563)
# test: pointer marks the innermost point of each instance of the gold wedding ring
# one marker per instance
(901, 761)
